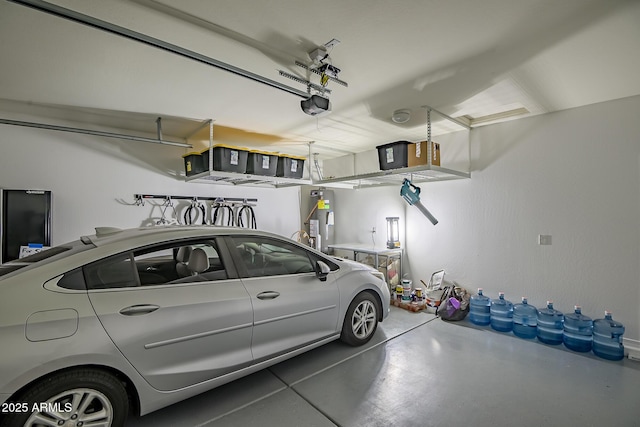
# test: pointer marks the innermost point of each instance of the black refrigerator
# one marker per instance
(26, 221)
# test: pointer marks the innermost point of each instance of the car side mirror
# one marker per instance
(322, 270)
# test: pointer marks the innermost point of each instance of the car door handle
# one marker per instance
(268, 295)
(136, 310)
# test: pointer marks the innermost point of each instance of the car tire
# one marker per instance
(89, 393)
(361, 320)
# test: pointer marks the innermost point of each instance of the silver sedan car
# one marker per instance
(129, 321)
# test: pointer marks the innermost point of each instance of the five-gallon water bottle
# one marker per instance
(577, 335)
(550, 325)
(525, 320)
(480, 309)
(607, 338)
(501, 312)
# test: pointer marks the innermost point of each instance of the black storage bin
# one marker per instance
(393, 155)
(290, 166)
(262, 163)
(227, 158)
(194, 163)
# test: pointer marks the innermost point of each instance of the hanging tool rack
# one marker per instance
(231, 211)
(140, 198)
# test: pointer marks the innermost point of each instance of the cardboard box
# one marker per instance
(417, 154)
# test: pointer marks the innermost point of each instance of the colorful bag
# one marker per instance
(455, 303)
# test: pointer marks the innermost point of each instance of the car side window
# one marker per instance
(271, 257)
(185, 262)
(73, 280)
(114, 272)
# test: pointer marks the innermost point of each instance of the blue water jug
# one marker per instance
(578, 329)
(480, 309)
(501, 312)
(607, 338)
(550, 325)
(525, 320)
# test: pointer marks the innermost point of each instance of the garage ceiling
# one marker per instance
(483, 61)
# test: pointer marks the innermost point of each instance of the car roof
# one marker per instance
(109, 235)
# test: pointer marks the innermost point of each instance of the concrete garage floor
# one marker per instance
(421, 371)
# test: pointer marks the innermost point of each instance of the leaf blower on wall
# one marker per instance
(411, 194)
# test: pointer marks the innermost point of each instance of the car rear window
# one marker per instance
(44, 257)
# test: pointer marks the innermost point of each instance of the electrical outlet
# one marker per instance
(544, 239)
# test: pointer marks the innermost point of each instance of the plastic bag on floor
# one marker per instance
(455, 303)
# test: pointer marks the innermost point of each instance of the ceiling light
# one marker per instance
(401, 116)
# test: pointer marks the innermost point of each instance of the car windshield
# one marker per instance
(44, 257)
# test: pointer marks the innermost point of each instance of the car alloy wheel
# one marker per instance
(80, 397)
(361, 320)
(75, 407)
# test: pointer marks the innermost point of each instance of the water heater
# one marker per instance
(321, 218)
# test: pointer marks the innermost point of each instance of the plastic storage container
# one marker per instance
(525, 320)
(480, 309)
(262, 163)
(290, 166)
(406, 291)
(194, 163)
(227, 158)
(399, 292)
(607, 338)
(578, 331)
(550, 325)
(434, 297)
(393, 155)
(501, 314)
(418, 297)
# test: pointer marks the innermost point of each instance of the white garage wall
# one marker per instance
(359, 211)
(93, 180)
(574, 175)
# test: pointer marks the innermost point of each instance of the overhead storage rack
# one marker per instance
(211, 176)
(416, 174)
(234, 178)
(190, 128)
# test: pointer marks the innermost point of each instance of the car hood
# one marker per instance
(354, 265)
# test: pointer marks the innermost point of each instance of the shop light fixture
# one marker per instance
(393, 232)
